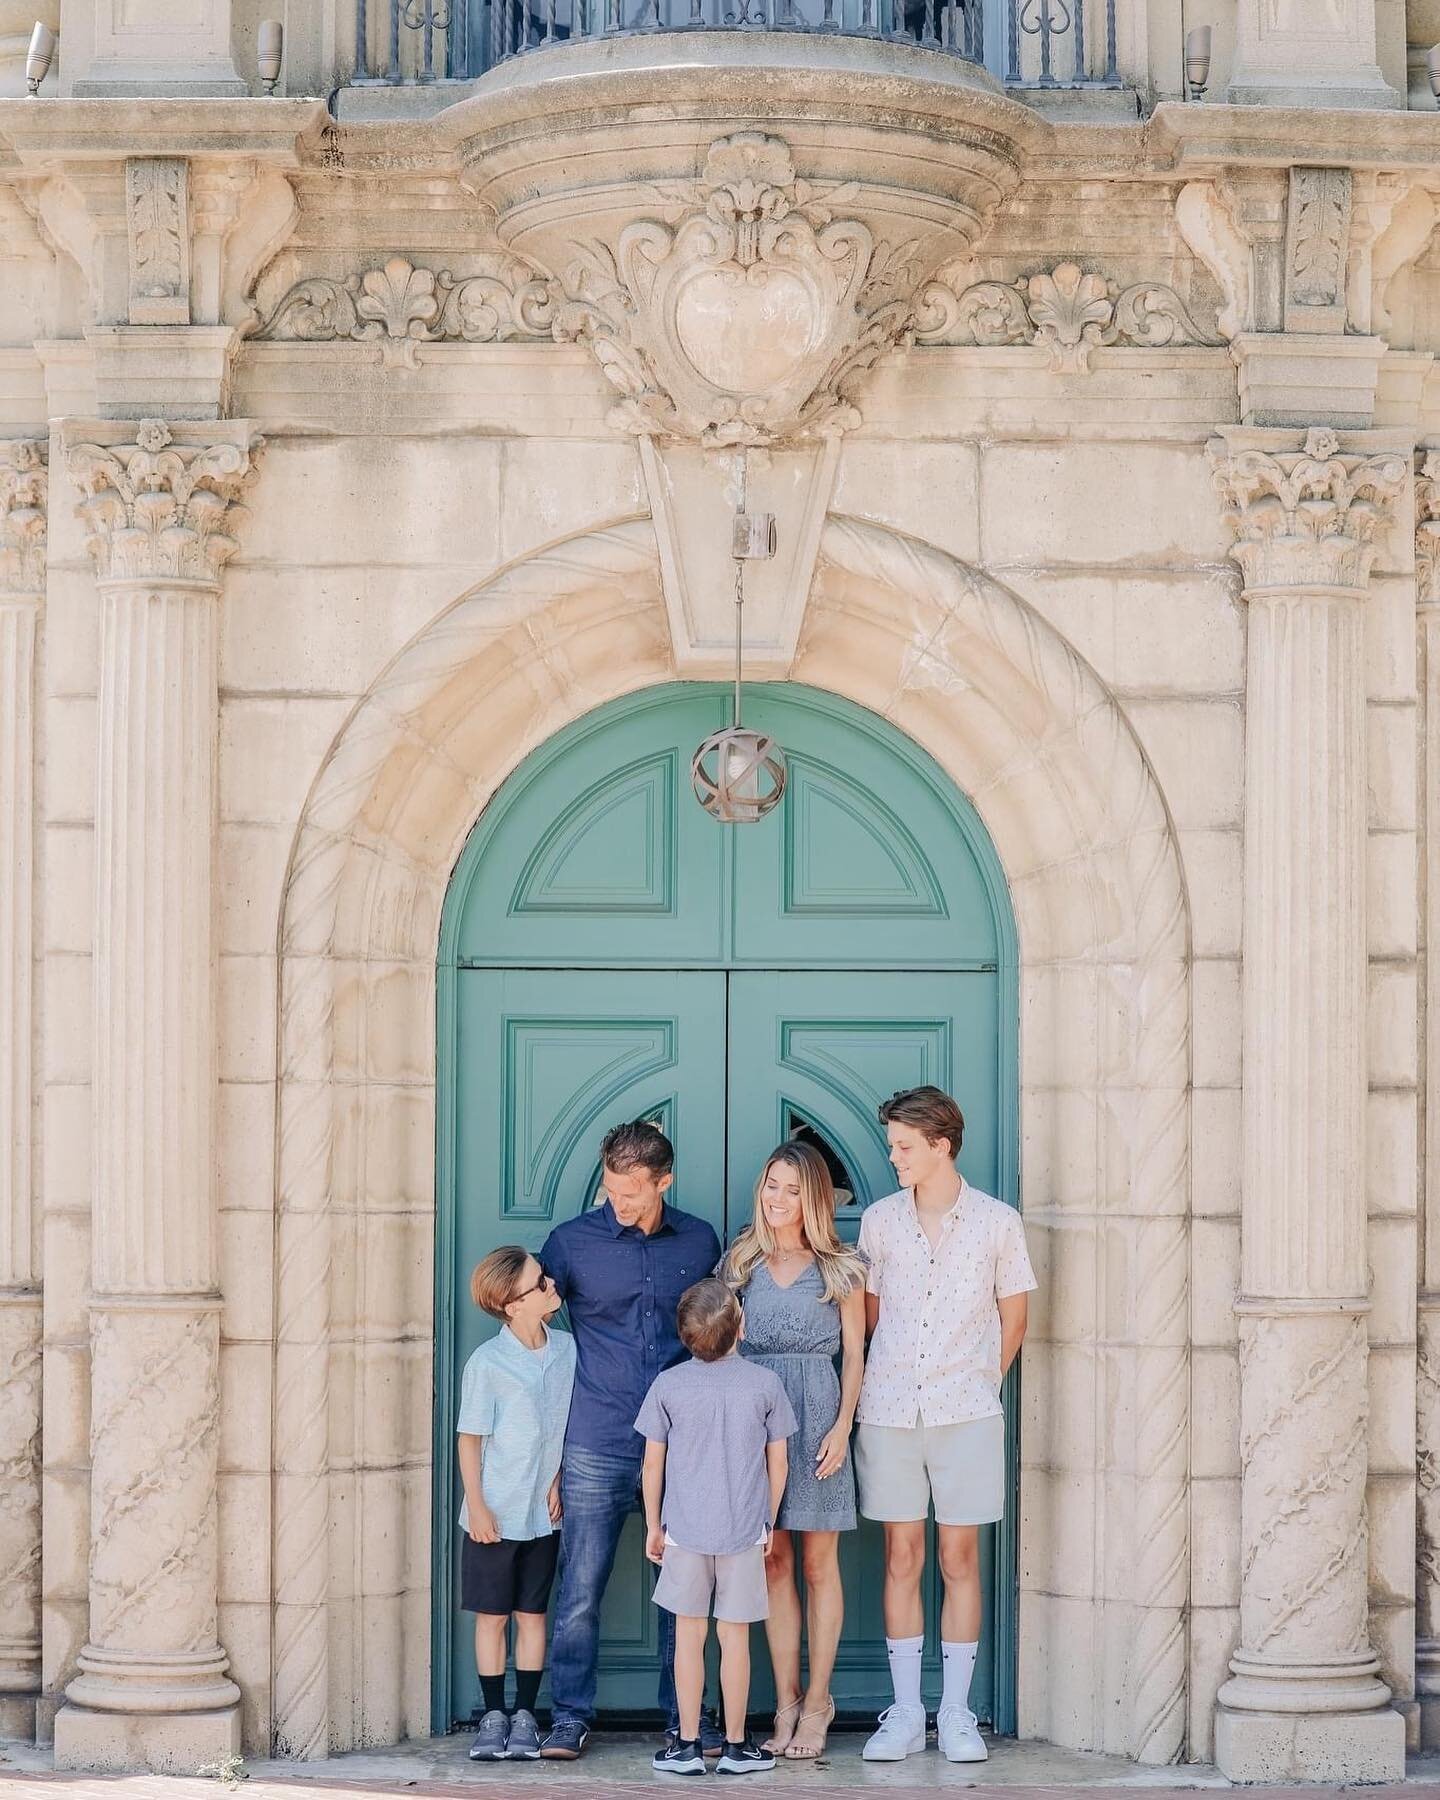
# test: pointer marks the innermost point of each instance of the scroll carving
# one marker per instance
(400, 306)
(1066, 311)
(24, 483)
(157, 205)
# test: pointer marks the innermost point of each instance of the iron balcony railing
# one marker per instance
(1030, 43)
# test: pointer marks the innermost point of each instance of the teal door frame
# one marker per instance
(1000, 956)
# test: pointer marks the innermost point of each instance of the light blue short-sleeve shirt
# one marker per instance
(517, 1400)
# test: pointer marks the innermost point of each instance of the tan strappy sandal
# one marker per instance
(808, 1752)
(780, 1712)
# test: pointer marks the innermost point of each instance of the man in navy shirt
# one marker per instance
(620, 1268)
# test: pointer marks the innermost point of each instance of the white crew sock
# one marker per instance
(958, 1661)
(904, 1654)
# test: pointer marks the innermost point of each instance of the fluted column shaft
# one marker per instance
(160, 514)
(1304, 1678)
(22, 581)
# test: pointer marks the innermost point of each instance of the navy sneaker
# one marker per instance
(523, 1744)
(711, 1739)
(744, 1758)
(678, 1756)
(491, 1738)
(565, 1740)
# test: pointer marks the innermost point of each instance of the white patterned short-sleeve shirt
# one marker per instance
(935, 1354)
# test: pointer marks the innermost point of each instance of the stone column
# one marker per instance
(1305, 1701)
(22, 586)
(1427, 1375)
(1307, 53)
(153, 1692)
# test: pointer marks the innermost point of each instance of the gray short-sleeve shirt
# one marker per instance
(715, 1420)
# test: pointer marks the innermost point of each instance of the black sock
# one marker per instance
(527, 1688)
(492, 1689)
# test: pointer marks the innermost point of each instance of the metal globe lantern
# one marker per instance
(738, 775)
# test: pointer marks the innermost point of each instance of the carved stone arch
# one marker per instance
(1030, 733)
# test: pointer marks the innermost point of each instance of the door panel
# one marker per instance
(595, 851)
(868, 861)
(546, 1062)
(819, 1053)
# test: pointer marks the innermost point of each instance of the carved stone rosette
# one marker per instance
(161, 511)
(22, 583)
(1305, 1699)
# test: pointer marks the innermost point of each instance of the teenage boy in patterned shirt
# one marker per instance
(945, 1309)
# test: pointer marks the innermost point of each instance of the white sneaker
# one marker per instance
(959, 1735)
(901, 1734)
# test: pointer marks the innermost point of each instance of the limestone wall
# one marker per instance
(456, 540)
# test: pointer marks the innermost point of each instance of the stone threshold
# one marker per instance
(616, 1766)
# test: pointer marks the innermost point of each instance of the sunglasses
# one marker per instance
(538, 1287)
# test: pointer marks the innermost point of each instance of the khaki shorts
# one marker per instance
(961, 1467)
(688, 1579)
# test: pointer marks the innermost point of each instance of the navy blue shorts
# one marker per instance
(515, 1575)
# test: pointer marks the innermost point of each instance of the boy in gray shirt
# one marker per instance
(715, 1431)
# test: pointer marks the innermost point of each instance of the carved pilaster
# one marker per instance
(1305, 1700)
(160, 513)
(157, 229)
(22, 584)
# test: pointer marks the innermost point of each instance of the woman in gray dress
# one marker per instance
(804, 1298)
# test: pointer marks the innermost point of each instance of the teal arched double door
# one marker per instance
(609, 952)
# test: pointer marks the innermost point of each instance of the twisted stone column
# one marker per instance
(153, 1691)
(1304, 1701)
(1427, 1374)
(22, 587)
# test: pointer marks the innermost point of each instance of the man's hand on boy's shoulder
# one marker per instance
(484, 1526)
(655, 1543)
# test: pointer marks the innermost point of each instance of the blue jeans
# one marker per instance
(598, 1492)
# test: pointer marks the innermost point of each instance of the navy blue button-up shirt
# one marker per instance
(621, 1289)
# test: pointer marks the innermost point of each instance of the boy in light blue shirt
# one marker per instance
(514, 1401)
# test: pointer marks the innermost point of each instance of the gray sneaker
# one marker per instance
(523, 1744)
(491, 1738)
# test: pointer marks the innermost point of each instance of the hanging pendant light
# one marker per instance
(739, 775)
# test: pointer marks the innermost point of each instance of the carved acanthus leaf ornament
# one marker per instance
(1427, 529)
(161, 508)
(1066, 311)
(749, 312)
(1307, 519)
(24, 486)
(399, 306)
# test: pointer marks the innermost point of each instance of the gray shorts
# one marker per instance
(961, 1466)
(688, 1579)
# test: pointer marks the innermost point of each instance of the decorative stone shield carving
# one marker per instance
(751, 314)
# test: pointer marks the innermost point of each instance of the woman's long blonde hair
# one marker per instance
(840, 1268)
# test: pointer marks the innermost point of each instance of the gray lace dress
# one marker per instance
(796, 1332)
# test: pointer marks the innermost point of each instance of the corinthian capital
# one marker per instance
(1307, 518)
(24, 483)
(166, 504)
